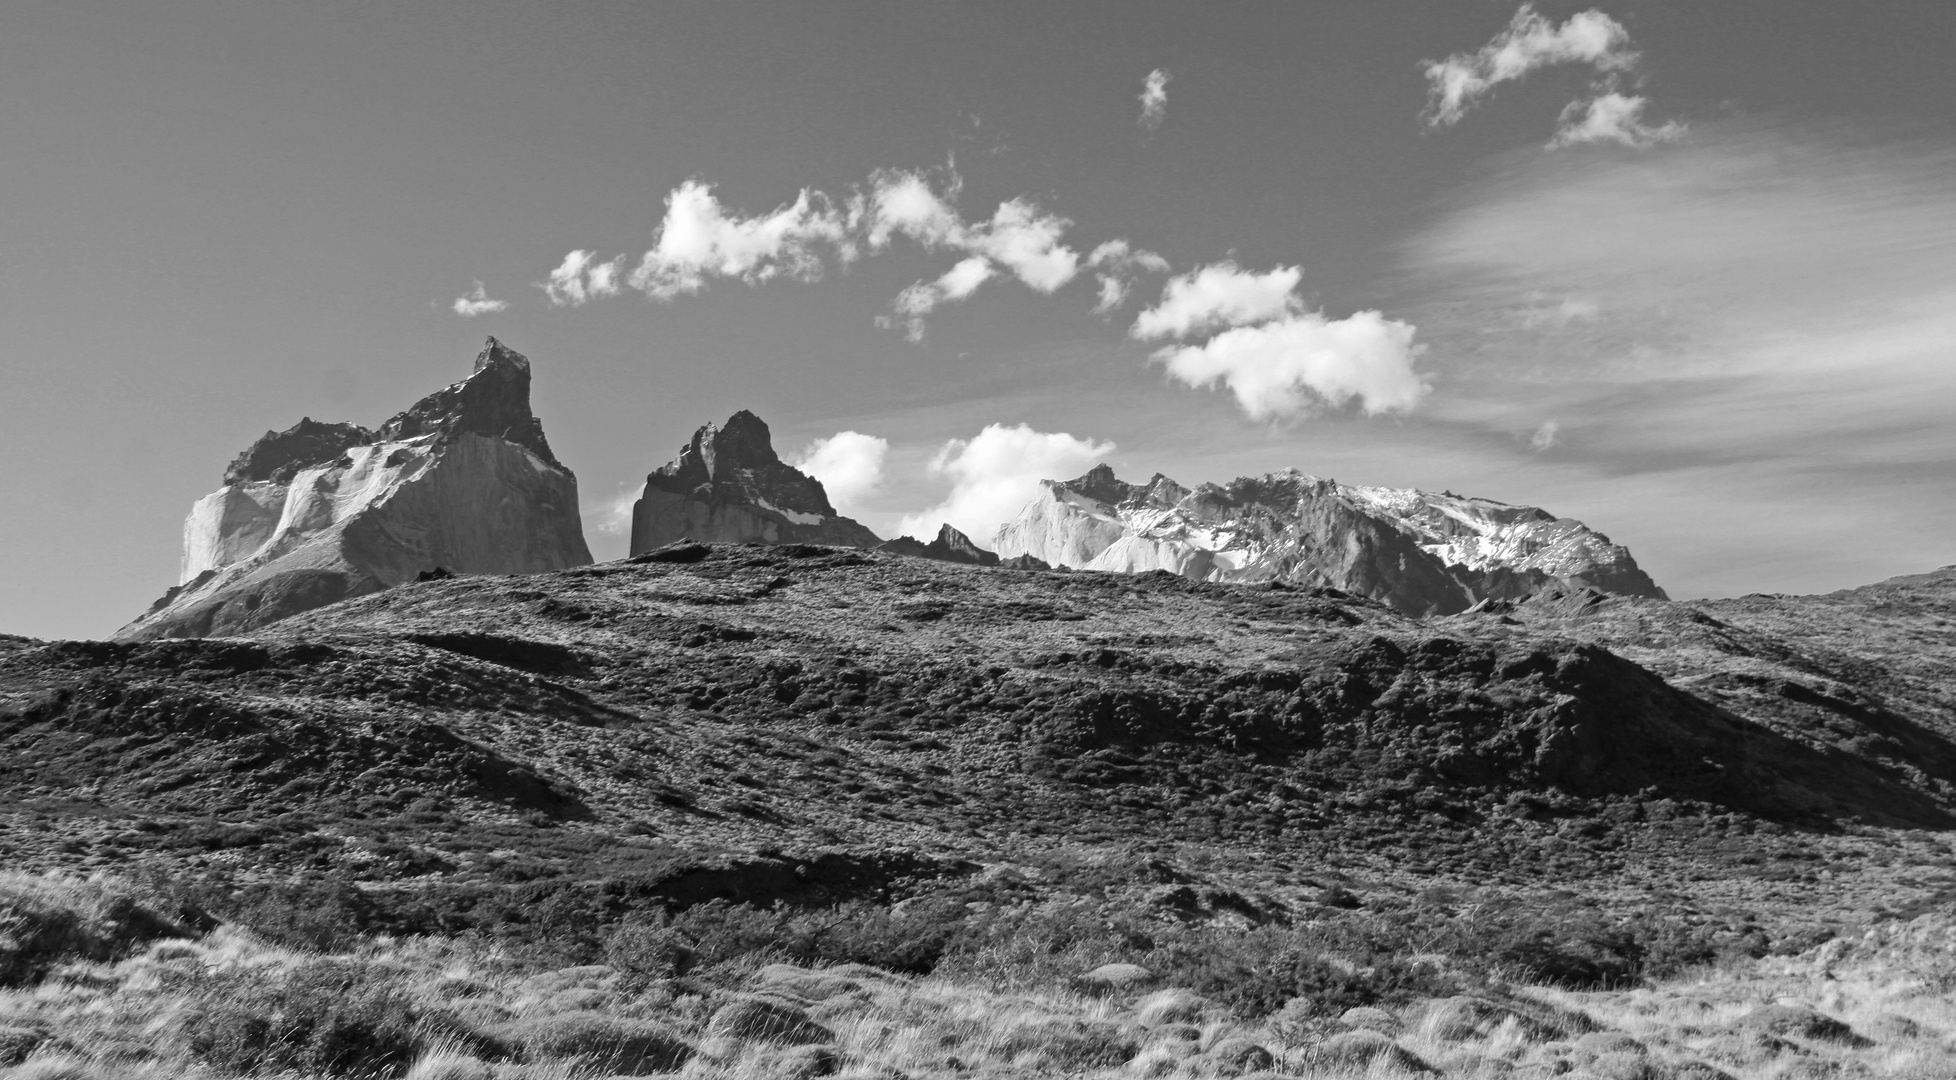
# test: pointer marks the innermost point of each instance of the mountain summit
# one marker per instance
(1419, 552)
(463, 480)
(728, 486)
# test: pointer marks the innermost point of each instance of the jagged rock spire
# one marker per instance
(494, 401)
(737, 460)
(727, 485)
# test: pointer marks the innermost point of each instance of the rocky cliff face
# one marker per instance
(728, 486)
(1420, 552)
(464, 480)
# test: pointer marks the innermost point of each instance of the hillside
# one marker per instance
(1289, 805)
(906, 717)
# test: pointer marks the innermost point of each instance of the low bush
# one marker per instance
(1256, 979)
(602, 1043)
(17, 1041)
(334, 1017)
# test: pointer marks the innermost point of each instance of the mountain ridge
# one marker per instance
(1420, 552)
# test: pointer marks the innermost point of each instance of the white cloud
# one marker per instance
(1113, 293)
(1154, 99)
(1020, 239)
(1544, 436)
(994, 475)
(850, 466)
(1120, 255)
(1285, 367)
(904, 203)
(1216, 296)
(700, 240)
(1529, 42)
(919, 300)
(578, 279)
(476, 302)
(1120, 262)
(1611, 118)
(1026, 241)
(1455, 85)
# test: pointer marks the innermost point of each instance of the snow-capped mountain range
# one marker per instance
(1419, 552)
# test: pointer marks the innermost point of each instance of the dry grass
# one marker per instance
(467, 1011)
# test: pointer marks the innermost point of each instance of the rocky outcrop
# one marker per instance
(463, 481)
(728, 486)
(1419, 552)
(949, 546)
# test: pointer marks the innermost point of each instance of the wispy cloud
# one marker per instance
(1119, 264)
(1545, 435)
(850, 466)
(612, 516)
(1530, 42)
(476, 302)
(1154, 99)
(1279, 359)
(1764, 303)
(995, 473)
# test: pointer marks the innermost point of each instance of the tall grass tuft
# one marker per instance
(48, 919)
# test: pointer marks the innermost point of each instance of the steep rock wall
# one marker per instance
(307, 520)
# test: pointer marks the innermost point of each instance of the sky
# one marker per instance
(1685, 272)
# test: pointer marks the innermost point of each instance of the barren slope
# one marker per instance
(810, 723)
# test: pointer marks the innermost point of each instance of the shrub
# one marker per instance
(762, 1019)
(1257, 974)
(1070, 1044)
(47, 919)
(16, 1042)
(648, 951)
(325, 1016)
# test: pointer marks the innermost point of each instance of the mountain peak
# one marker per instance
(1100, 484)
(321, 512)
(744, 442)
(727, 485)
(718, 454)
(493, 401)
(949, 546)
(497, 355)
